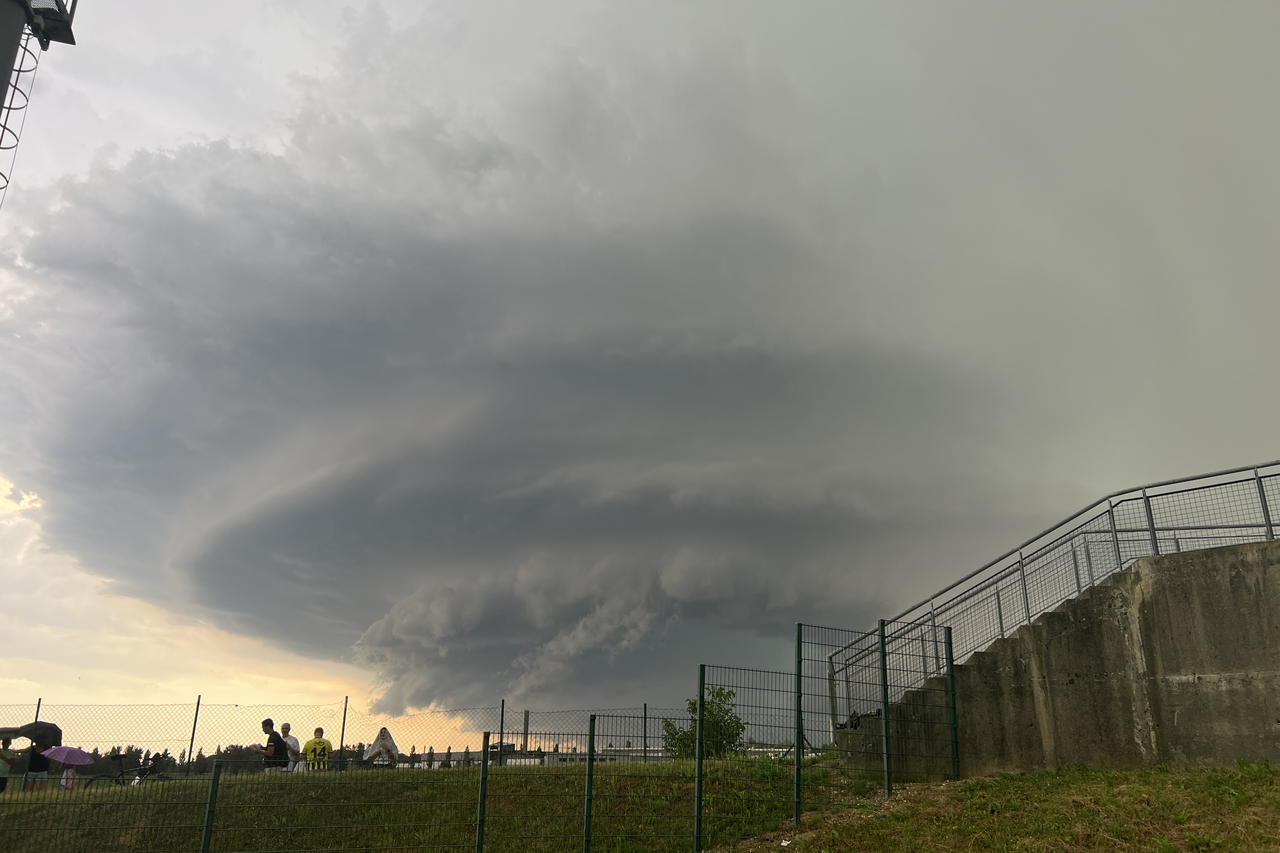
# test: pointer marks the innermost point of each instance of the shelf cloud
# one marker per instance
(541, 367)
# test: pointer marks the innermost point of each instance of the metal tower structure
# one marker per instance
(24, 24)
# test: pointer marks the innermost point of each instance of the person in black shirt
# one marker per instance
(37, 769)
(275, 755)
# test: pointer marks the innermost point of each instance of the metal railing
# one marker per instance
(1230, 507)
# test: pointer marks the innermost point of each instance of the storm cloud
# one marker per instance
(646, 339)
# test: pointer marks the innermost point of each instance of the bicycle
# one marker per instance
(132, 776)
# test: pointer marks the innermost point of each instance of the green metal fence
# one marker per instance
(882, 702)
(751, 755)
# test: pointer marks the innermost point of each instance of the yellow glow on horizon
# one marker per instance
(67, 637)
(113, 670)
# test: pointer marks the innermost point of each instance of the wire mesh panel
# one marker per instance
(261, 809)
(643, 794)
(885, 690)
(224, 730)
(536, 796)
(146, 729)
(748, 731)
(837, 689)
(1232, 503)
(648, 719)
(101, 814)
(918, 715)
(421, 737)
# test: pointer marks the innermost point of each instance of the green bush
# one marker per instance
(722, 729)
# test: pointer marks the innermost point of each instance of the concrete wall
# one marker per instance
(1175, 660)
(920, 737)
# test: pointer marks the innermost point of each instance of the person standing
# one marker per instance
(292, 747)
(70, 777)
(7, 759)
(37, 769)
(317, 751)
(275, 755)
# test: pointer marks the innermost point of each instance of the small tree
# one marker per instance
(722, 728)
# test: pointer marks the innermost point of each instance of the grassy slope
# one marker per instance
(1066, 810)
(636, 808)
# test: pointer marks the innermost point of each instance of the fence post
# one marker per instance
(1088, 562)
(697, 761)
(192, 748)
(951, 702)
(798, 737)
(645, 713)
(33, 743)
(211, 805)
(342, 738)
(502, 721)
(484, 794)
(832, 701)
(999, 610)
(1115, 536)
(1262, 499)
(591, 772)
(884, 715)
(1151, 524)
(1075, 567)
(933, 621)
(1026, 599)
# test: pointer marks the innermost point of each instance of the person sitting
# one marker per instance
(382, 752)
(317, 751)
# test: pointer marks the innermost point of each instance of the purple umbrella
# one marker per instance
(68, 755)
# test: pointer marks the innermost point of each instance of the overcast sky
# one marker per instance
(473, 349)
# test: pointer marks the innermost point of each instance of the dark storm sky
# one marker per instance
(548, 352)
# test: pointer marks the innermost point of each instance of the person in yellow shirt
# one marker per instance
(317, 750)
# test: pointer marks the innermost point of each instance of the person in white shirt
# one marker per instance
(296, 758)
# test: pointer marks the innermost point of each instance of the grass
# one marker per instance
(636, 807)
(1073, 809)
(649, 809)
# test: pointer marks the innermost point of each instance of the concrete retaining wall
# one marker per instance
(920, 737)
(1175, 660)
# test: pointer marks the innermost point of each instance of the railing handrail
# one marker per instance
(932, 599)
(1042, 534)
